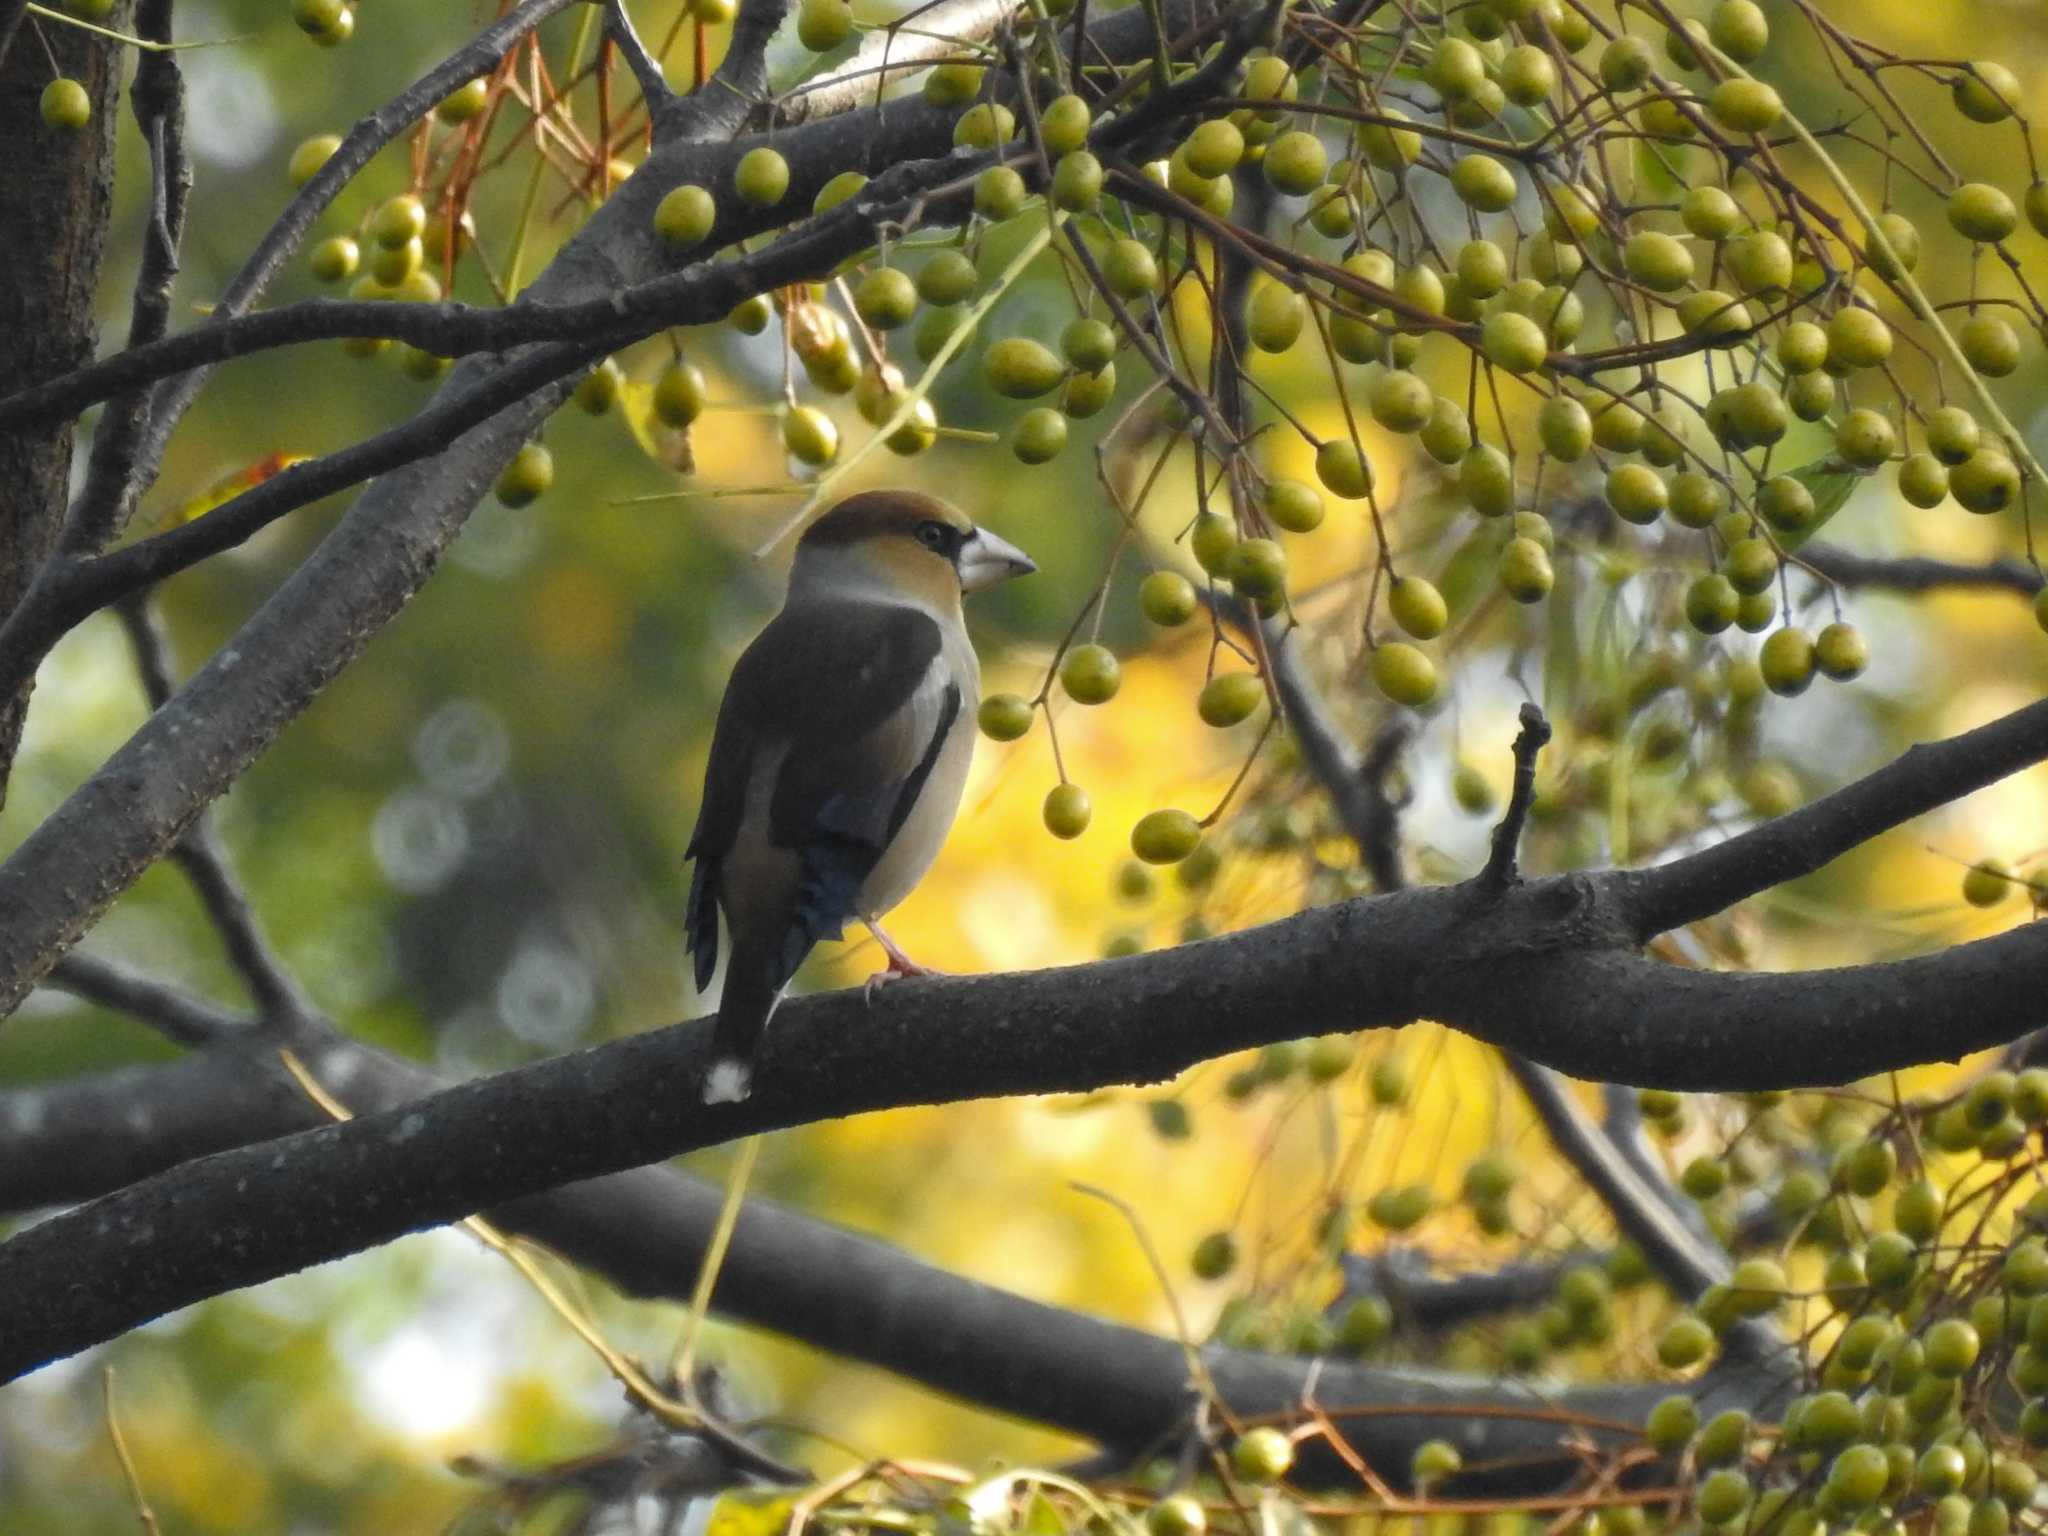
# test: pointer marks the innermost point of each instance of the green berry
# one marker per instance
(334, 259)
(886, 298)
(1344, 469)
(1483, 183)
(1064, 124)
(1004, 716)
(1129, 269)
(1787, 661)
(1657, 261)
(952, 85)
(1262, 1455)
(1039, 436)
(822, 25)
(1215, 1255)
(1214, 148)
(1987, 93)
(1433, 1461)
(1417, 607)
(67, 108)
(1404, 674)
(1090, 674)
(1067, 811)
(948, 278)
(527, 477)
(762, 177)
(1988, 883)
(1296, 163)
(1513, 342)
(1745, 106)
(1524, 570)
(1167, 598)
(999, 193)
(1233, 697)
(1294, 506)
(1021, 369)
(1979, 211)
(1165, 837)
(985, 125)
(1986, 482)
(1857, 338)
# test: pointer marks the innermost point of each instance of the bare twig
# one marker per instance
(112, 480)
(1500, 869)
(199, 853)
(144, 1515)
(175, 1014)
(654, 88)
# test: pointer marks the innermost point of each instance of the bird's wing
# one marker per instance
(860, 696)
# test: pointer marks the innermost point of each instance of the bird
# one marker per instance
(840, 751)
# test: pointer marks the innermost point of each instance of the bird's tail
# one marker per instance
(753, 987)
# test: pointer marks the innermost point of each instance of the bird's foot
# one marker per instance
(900, 965)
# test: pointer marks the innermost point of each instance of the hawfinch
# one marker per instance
(840, 752)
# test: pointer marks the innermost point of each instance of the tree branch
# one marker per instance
(176, 1015)
(1500, 871)
(199, 853)
(358, 147)
(113, 481)
(11, 12)
(1918, 573)
(1537, 969)
(646, 1232)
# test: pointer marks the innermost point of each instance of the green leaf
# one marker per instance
(1831, 483)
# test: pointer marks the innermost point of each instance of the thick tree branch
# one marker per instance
(646, 1232)
(1918, 573)
(1541, 969)
(58, 195)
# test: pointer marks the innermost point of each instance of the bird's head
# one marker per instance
(909, 543)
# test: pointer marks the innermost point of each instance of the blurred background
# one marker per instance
(470, 852)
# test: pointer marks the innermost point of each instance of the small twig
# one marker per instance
(279, 999)
(1198, 1369)
(680, 1369)
(143, 1512)
(654, 87)
(1500, 871)
(177, 1015)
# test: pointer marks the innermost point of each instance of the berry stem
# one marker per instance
(1902, 280)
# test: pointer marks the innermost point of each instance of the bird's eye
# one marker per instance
(933, 535)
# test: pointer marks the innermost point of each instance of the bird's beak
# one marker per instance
(986, 560)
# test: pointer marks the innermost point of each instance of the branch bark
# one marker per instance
(62, 191)
(1548, 968)
(646, 1232)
